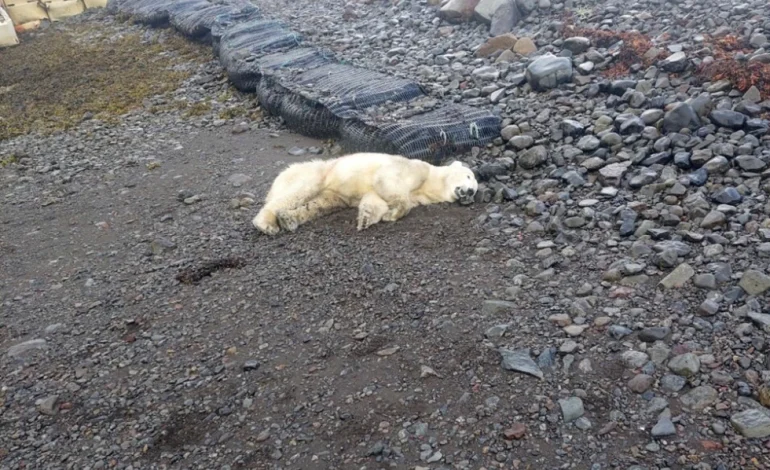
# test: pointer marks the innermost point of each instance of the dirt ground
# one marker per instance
(340, 322)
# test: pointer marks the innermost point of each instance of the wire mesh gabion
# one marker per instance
(432, 136)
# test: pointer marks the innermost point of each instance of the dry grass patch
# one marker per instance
(56, 77)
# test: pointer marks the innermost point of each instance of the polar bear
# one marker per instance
(382, 187)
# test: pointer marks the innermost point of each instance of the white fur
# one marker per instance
(382, 187)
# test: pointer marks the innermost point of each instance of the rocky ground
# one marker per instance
(601, 306)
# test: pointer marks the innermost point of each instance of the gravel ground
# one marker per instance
(584, 314)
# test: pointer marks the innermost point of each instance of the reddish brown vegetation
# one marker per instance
(632, 50)
(635, 46)
(742, 75)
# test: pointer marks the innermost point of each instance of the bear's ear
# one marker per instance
(456, 164)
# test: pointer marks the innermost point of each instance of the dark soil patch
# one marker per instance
(179, 431)
(194, 275)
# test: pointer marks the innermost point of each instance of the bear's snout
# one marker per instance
(464, 194)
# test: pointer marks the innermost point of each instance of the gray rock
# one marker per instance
(521, 142)
(698, 177)
(672, 383)
(713, 219)
(681, 116)
(571, 408)
(633, 125)
(520, 361)
(651, 116)
(496, 307)
(21, 349)
(549, 71)
(572, 128)
(654, 333)
(505, 18)
(583, 423)
(533, 158)
(47, 406)
(238, 179)
(526, 6)
(588, 143)
(708, 308)
(509, 132)
(760, 319)
(663, 428)
(750, 163)
(700, 398)
(753, 423)
(496, 331)
(758, 40)
(717, 165)
(640, 383)
(686, 365)
(487, 8)
(727, 195)
(618, 332)
(577, 44)
(705, 281)
(634, 359)
(675, 63)
(678, 277)
(754, 282)
(752, 95)
(727, 118)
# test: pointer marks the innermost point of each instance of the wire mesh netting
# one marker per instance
(227, 20)
(316, 100)
(270, 94)
(311, 91)
(348, 90)
(431, 136)
(157, 13)
(196, 22)
(245, 73)
(255, 38)
(309, 117)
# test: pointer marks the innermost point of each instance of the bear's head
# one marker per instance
(461, 183)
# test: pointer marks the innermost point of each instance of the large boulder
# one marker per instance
(458, 10)
(486, 9)
(549, 71)
(505, 18)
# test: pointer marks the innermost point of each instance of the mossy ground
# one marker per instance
(56, 77)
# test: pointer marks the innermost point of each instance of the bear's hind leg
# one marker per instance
(291, 189)
(370, 210)
(323, 204)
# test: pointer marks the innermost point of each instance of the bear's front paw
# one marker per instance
(287, 222)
